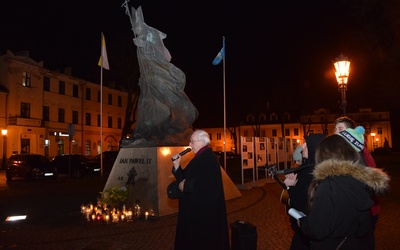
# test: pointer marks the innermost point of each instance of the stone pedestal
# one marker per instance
(146, 173)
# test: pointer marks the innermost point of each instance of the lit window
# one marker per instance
(26, 79)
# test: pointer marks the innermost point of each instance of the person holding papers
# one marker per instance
(340, 197)
(298, 183)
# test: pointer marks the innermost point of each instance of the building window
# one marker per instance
(61, 115)
(98, 121)
(46, 83)
(61, 87)
(218, 136)
(280, 143)
(379, 130)
(287, 144)
(75, 91)
(98, 96)
(119, 122)
(46, 113)
(26, 79)
(109, 145)
(109, 99)
(272, 141)
(287, 132)
(25, 110)
(210, 136)
(88, 94)
(296, 132)
(88, 119)
(110, 122)
(87, 147)
(274, 134)
(119, 101)
(263, 133)
(250, 118)
(75, 117)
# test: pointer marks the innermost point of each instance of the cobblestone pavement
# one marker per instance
(65, 228)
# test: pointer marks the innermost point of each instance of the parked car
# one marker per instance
(29, 166)
(229, 155)
(108, 158)
(76, 166)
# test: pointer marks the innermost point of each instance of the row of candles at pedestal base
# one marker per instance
(104, 212)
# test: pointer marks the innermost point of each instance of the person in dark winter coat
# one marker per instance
(340, 198)
(343, 123)
(298, 183)
(202, 221)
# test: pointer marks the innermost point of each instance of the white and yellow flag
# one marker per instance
(103, 61)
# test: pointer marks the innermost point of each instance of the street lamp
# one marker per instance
(342, 66)
(4, 133)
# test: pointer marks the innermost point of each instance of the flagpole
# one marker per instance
(101, 106)
(223, 66)
(217, 60)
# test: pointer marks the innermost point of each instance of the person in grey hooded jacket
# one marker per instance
(340, 197)
(298, 189)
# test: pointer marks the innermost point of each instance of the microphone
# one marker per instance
(183, 153)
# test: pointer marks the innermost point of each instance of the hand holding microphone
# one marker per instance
(182, 153)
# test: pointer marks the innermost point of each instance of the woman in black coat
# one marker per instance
(202, 221)
(340, 197)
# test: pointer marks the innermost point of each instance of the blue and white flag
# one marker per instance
(220, 56)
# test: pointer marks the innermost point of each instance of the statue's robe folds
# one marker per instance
(164, 110)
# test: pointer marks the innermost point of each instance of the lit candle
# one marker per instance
(129, 215)
(93, 216)
(122, 217)
(107, 218)
(146, 215)
(115, 218)
(151, 212)
(88, 214)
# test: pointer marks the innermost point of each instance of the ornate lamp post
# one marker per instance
(342, 66)
(4, 133)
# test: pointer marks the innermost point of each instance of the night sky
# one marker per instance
(279, 54)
